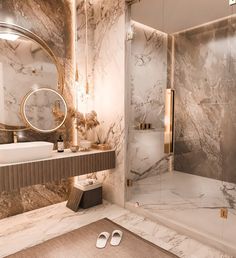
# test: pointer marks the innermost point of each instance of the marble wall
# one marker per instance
(148, 82)
(106, 76)
(53, 22)
(24, 64)
(205, 121)
(109, 88)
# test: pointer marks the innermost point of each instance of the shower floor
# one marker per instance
(190, 204)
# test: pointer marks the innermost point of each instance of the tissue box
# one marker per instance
(92, 193)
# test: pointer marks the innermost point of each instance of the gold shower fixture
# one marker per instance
(169, 122)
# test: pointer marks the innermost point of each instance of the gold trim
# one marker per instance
(27, 96)
(169, 122)
(18, 30)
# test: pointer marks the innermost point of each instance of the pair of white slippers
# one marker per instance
(103, 237)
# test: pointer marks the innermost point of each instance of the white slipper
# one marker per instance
(116, 237)
(102, 239)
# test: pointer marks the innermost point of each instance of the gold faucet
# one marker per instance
(15, 137)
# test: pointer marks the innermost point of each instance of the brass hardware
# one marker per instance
(76, 74)
(129, 182)
(15, 137)
(169, 122)
(145, 126)
(224, 213)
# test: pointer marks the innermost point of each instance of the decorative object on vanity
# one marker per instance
(85, 194)
(102, 146)
(26, 59)
(44, 110)
(60, 144)
(131, 245)
(85, 123)
(85, 145)
(74, 148)
(59, 166)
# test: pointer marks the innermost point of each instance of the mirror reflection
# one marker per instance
(24, 66)
(44, 110)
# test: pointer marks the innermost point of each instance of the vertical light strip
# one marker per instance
(74, 47)
(86, 46)
(169, 122)
(172, 61)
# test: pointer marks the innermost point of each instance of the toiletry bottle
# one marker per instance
(60, 144)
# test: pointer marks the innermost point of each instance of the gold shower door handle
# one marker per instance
(169, 122)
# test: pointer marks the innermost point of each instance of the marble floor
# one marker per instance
(31, 228)
(190, 204)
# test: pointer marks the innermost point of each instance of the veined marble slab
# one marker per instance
(190, 204)
(34, 227)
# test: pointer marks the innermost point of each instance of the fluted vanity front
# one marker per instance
(59, 166)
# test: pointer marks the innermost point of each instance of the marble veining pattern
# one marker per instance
(148, 68)
(147, 156)
(148, 81)
(25, 62)
(192, 201)
(204, 81)
(106, 37)
(35, 227)
(109, 88)
(52, 21)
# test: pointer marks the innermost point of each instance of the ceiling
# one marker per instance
(173, 16)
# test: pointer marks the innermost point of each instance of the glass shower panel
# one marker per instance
(203, 124)
(192, 51)
(148, 69)
(228, 136)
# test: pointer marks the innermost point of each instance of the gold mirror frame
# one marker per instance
(24, 117)
(20, 31)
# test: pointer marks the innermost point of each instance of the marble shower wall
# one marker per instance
(53, 22)
(148, 68)
(205, 84)
(148, 82)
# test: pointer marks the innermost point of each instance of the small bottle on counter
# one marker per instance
(60, 144)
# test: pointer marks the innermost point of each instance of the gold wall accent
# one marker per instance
(169, 122)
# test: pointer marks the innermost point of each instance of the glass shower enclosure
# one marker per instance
(182, 106)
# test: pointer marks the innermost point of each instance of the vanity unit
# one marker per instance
(59, 166)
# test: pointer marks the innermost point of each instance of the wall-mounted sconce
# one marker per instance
(169, 122)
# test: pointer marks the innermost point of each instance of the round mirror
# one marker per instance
(26, 64)
(44, 110)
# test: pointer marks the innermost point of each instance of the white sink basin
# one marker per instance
(25, 151)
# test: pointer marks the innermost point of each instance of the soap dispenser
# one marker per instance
(60, 144)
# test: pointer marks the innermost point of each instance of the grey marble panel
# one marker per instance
(204, 80)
